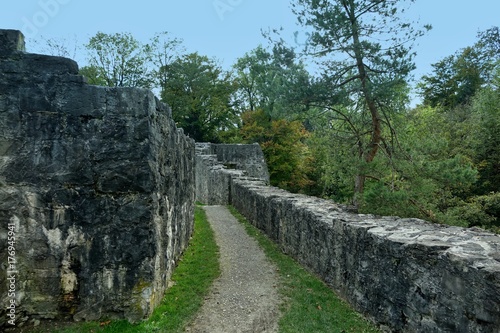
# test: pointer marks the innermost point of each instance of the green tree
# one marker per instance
(119, 60)
(272, 81)
(451, 173)
(94, 75)
(337, 162)
(200, 95)
(161, 51)
(462, 173)
(366, 60)
(489, 43)
(283, 144)
(457, 78)
(429, 173)
(486, 136)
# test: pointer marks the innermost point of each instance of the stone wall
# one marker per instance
(405, 274)
(98, 186)
(216, 164)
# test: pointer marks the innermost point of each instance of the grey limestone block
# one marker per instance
(99, 184)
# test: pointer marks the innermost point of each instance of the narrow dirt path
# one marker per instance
(244, 298)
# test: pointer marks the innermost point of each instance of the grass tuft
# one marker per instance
(309, 305)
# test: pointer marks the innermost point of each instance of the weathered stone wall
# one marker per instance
(98, 185)
(406, 274)
(216, 164)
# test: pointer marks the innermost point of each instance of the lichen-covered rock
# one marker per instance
(11, 41)
(99, 186)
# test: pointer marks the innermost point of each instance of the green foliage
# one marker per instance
(458, 151)
(482, 211)
(283, 143)
(486, 137)
(457, 78)
(273, 86)
(489, 42)
(161, 51)
(200, 95)
(454, 81)
(437, 145)
(117, 59)
(440, 161)
(381, 199)
(272, 81)
(423, 173)
(427, 174)
(364, 48)
(336, 158)
(198, 90)
(94, 75)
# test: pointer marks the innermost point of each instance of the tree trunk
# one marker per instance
(376, 131)
(359, 186)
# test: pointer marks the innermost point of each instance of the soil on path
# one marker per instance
(244, 298)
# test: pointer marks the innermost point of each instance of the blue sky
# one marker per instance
(227, 29)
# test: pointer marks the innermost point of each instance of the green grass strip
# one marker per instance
(194, 275)
(309, 305)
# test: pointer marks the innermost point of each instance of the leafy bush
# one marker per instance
(481, 211)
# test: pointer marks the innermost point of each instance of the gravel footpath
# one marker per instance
(245, 297)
